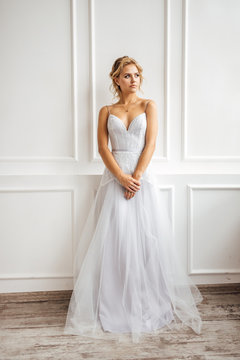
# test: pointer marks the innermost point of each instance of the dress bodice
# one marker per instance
(123, 139)
(127, 145)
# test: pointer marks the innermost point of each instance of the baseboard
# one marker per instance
(61, 295)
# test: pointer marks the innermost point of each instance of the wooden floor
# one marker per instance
(31, 326)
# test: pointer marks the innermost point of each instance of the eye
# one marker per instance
(129, 75)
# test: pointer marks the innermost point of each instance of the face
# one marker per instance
(129, 79)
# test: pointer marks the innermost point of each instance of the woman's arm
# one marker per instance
(102, 135)
(151, 136)
(126, 180)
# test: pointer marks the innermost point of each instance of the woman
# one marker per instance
(127, 276)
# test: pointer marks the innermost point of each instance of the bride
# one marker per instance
(126, 110)
(127, 276)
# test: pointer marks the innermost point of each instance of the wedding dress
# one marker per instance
(127, 276)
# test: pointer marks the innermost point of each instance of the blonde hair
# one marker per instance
(117, 68)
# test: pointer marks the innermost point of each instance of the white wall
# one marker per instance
(55, 59)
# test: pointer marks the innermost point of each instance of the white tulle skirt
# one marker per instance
(127, 276)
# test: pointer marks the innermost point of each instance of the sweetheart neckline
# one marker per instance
(130, 121)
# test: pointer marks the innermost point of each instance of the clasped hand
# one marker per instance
(131, 183)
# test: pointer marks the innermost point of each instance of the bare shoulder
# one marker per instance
(102, 118)
(150, 105)
(103, 111)
(150, 102)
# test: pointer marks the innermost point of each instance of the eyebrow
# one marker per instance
(130, 73)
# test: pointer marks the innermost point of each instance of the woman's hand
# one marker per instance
(129, 193)
(129, 182)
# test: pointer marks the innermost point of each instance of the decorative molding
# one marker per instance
(166, 83)
(75, 83)
(191, 270)
(75, 112)
(95, 157)
(92, 57)
(45, 275)
(185, 156)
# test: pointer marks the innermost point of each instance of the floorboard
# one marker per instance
(31, 326)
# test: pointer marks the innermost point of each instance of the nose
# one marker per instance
(133, 80)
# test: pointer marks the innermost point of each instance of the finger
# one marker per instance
(134, 188)
(126, 194)
(136, 185)
(135, 181)
(138, 182)
(131, 188)
(129, 195)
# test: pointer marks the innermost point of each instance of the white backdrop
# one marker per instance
(55, 60)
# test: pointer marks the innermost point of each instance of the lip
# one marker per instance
(133, 85)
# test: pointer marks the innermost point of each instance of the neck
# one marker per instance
(127, 98)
